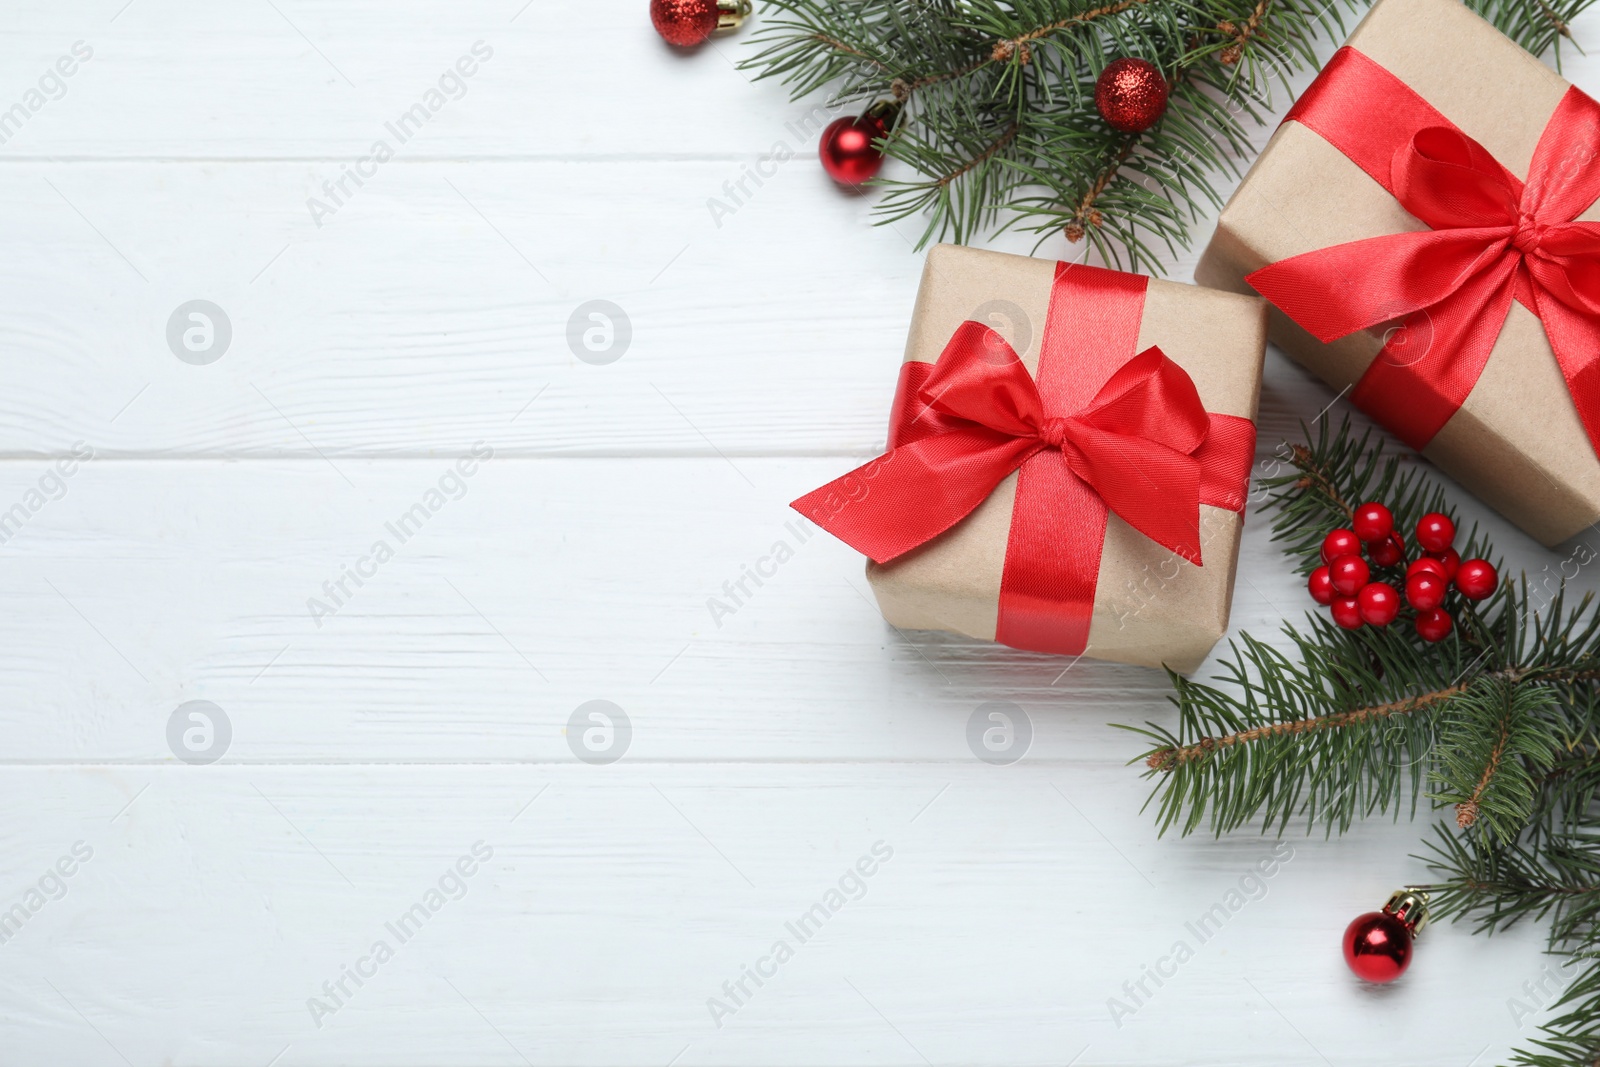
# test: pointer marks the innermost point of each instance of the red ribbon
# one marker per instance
(1492, 239)
(1098, 430)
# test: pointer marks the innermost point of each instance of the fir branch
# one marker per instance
(1167, 759)
(1497, 885)
(1352, 723)
(1540, 26)
(969, 73)
(1328, 478)
(1086, 214)
(998, 145)
(1497, 742)
(1501, 720)
(1241, 35)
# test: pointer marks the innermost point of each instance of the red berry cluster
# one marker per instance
(1345, 583)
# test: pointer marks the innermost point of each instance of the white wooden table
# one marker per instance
(401, 764)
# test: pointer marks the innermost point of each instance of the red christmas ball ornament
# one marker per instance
(1449, 559)
(1476, 578)
(1425, 590)
(1340, 542)
(1434, 625)
(848, 147)
(1435, 532)
(1379, 603)
(686, 23)
(1347, 612)
(1377, 945)
(1131, 94)
(1387, 552)
(1372, 522)
(1349, 574)
(1321, 586)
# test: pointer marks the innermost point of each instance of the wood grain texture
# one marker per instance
(1014, 904)
(545, 584)
(436, 704)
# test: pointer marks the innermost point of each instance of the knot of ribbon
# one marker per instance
(1492, 239)
(1529, 233)
(1055, 431)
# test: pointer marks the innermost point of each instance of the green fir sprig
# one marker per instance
(999, 127)
(1499, 722)
(1556, 877)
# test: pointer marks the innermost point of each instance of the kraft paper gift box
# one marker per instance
(1144, 603)
(1517, 439)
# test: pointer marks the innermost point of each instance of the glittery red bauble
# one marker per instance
(847, 151)
(684, 22)
(1131, 95)
(1377, 946)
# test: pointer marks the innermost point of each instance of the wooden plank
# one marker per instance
(296, 79)
(547, 584)
(1013, 905)
(338, 344)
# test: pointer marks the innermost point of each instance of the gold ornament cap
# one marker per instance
(1410, 906)
(732, 13)
(886, 112)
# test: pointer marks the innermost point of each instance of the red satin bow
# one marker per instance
(981, 418)
(1096, 428)
(1493, 239)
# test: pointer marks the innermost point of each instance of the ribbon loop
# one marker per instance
(1448, 180)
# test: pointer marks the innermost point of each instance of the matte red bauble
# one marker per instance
(1131, 94)
(686, 23)
(1377, 945)
(847, 148)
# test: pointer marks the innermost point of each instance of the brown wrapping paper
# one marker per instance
(1151, 607)
(1517, 442)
